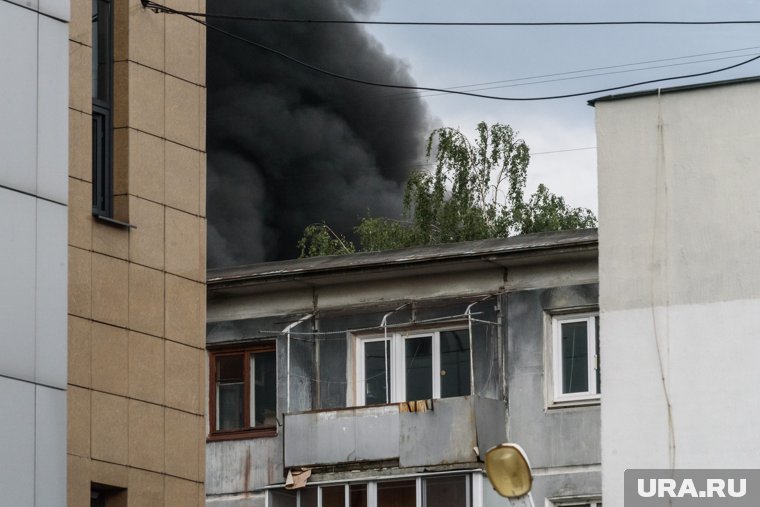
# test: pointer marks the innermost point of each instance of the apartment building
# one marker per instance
(33, 217)
(678, 228)
(381, 379)
(136, 255)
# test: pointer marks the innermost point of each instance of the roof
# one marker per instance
(486, 249)
(673, 89)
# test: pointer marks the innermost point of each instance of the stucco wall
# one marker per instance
(559, 437)
(679, 236)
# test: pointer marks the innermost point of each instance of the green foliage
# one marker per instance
(320, 239)
(476, 191)
(548, 212)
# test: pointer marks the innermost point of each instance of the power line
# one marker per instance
(570, 78)
(161, 8)
(607, 67)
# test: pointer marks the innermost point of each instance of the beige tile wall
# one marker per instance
(137, 365)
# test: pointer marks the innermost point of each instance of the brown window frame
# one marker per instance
(247, 432)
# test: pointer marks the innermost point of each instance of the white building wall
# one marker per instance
(33, 238)
(679, 236)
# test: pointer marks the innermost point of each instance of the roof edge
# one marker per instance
(673, 89)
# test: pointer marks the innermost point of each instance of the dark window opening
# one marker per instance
(102, 107)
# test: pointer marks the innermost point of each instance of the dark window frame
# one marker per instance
(249, 431)
(102, 116)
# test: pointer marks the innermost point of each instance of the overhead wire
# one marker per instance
(591, 69)
(264, 19)
(161, 8)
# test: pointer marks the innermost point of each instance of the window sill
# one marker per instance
(583, 402)
(264, 432)
(113, 221)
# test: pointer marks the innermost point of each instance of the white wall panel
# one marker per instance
(53, 112)
(31, 4)
(17, 443)
(50, 462)
(51, 290)
(17, 290)
(57, 8)
(18, 97)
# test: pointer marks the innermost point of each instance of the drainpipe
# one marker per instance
(287, 331)
(472, 363)
(384, 323)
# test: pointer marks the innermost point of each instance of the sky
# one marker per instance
(288, 147)
(443, 57)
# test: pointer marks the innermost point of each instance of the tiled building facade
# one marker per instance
(136, 255)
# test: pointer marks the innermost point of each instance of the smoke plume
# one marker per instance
(287, 146)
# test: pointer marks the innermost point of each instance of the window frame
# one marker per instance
(397, 375)
(102, 126)
(248, 353)
(554, 371)
(473, 487)
(581, 501)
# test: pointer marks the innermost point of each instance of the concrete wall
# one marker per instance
(137, 363)
(680, 283)
(556, 439)
(33, 224)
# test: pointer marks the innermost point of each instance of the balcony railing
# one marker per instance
(435, 432)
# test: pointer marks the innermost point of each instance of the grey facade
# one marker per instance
(33, 259)
(496, 299)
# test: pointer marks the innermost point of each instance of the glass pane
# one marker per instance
(375, 373)
(455, 363)
(333, 496)
(264, 389)
(229, 399)
(357, 495)
(449, 491)
(229, 368)
(574, 357)
(309, 497)
(397, 494)
(284, 498)
(419, 368)
(101, 51)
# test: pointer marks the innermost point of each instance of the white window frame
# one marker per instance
(473, 482)
(556, 358)
(397, 358)
(574, 502)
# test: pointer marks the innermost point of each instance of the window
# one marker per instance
(244, 392)
(102, 106)
(413, 366)
(575, 503)
(575, 357)
(432, 491)
(107, 496)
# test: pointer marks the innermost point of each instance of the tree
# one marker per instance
(475, 191)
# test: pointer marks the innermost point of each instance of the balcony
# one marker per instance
(436, 432)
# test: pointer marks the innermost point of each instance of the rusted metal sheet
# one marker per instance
(342, 436)
(418, 433)
(243, 465)
(443, 435)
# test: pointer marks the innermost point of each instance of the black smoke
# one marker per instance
(287, 146)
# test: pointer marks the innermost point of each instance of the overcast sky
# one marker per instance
(443, 57)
